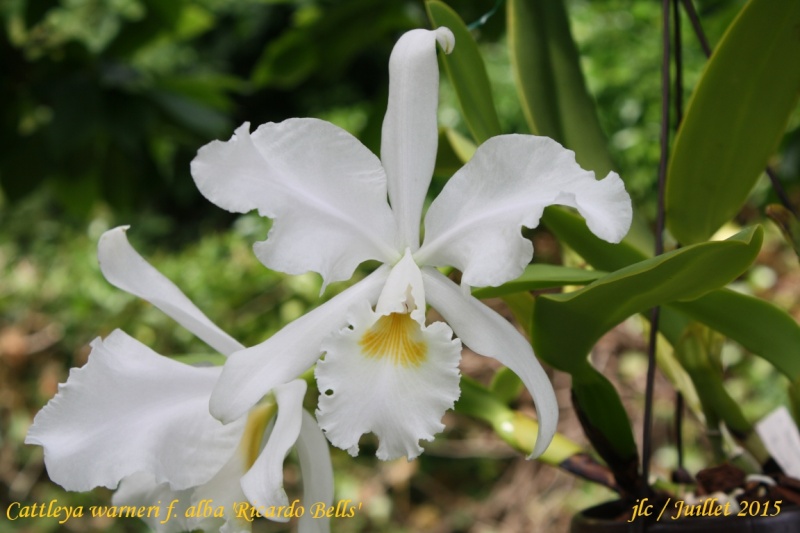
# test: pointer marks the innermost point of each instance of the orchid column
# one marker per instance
(335, 205)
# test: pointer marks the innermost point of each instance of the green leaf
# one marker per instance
(571, 229)
(605, 423)
(566, 326)
(467, 73)
(759, 326)
(541, 276)
(550, 83)
(735, 119)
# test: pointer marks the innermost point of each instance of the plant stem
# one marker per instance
(676, 15)
(659, 249)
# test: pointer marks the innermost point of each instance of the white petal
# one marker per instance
(141, 490)
(130, 410)
(123, 267)
(410, 134)
(474, 224)
(263, 483)
(225, 490)
(317, 472)
(489, 334)
(325, 190)
(395, 379)
(250, 374)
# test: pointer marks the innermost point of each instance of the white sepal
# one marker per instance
(410, 133)
(124, 268)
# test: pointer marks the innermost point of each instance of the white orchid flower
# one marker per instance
(133, 416)
(388, 372)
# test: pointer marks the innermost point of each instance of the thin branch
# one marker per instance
(698, 29)
(647, 439)
(678, 48)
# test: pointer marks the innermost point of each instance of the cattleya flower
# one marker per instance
(334, 205)
(133, 418)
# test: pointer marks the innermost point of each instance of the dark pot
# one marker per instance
(598, 520)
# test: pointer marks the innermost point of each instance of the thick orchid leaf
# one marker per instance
(735, 119)
(699, 351)
(550, 83)
(605, 422)
(541, 276)
(759, 326)
(571, 229)
(566, 326)
(794, 400)
(467, 73)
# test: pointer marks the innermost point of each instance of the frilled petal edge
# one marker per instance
(325, 191)
(390, 376)
(475, 223)
(130, 410)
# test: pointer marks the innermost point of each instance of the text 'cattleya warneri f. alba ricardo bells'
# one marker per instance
(334, 204)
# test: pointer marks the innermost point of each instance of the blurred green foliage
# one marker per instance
(110, 99)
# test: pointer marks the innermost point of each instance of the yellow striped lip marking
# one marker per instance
(395, 336)
(257, 421)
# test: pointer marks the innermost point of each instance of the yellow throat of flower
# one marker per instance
(257, 422)
(395, 336)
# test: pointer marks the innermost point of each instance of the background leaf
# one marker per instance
(464, 66)
(550, 82)
(734, 120)
(566, 326)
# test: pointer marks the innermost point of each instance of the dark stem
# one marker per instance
(679, 427)
(676, 17)
(647, 437)
(701, 36)
(698, 29)
(678, 49)
(779, 190)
